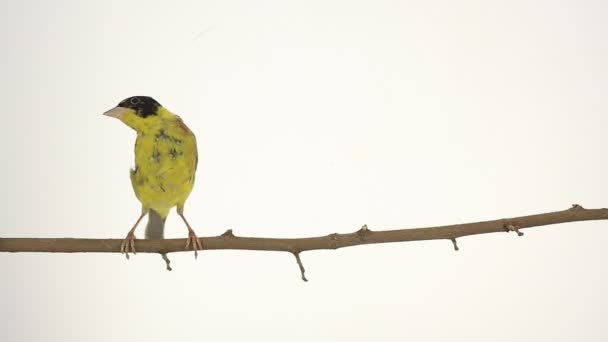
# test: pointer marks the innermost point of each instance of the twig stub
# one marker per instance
(514, 228)
(363, 232)
(228, 233)
(167, 261)
(297, 255)
(455, 244)
(577, 207)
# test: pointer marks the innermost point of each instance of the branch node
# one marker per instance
(228, 233)
(455, 244)
(577, 207)
(513, 228)
(363, 232)
(297, 255)
(333, 240)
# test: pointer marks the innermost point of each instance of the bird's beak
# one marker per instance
(117, 112)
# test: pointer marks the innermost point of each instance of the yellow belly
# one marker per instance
(165, 162)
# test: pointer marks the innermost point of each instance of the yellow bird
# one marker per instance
(165, 165)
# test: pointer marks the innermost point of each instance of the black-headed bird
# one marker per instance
(165, 165)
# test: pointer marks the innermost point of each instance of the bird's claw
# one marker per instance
(128, 244)
(196, 243)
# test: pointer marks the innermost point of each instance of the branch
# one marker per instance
(363, 236)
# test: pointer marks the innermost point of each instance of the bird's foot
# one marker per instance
(195, 241)
(128, 244)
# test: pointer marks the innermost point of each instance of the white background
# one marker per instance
(312, 117)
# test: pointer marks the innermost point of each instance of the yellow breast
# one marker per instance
(166, 159)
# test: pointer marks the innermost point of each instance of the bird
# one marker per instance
(166, 159)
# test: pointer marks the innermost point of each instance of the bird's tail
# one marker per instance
(155, 230)
(156, 225)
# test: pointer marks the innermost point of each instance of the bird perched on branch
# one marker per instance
(165, 165)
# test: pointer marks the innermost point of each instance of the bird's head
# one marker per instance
(139, 112)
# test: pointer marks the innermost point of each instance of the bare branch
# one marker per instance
(295, 246)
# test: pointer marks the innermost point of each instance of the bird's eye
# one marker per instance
(135, 100)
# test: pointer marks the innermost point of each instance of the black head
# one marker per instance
(144, 106)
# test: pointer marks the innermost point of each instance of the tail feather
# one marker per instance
(155, 230)
(156, 225)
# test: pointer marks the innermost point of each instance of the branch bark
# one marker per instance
(363, 236)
